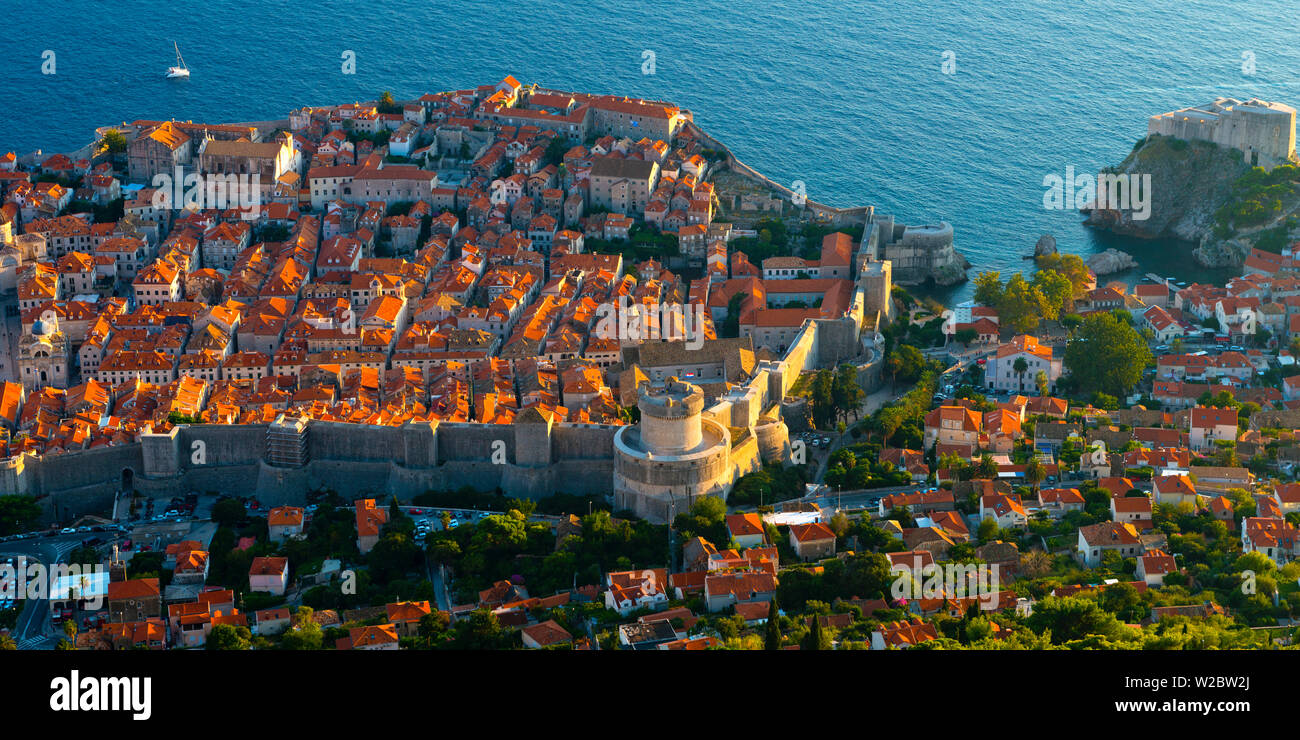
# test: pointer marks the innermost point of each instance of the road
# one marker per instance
(33, 630)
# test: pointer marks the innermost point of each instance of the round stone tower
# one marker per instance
(670, 419)
(674, 456)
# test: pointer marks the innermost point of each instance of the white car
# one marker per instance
(68, 530)
(453, 523)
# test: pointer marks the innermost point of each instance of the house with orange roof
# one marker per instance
(628, 591)
(1004, 508)
(1135, 510)
(1209, 425)
(1001, 373)
(406, 616)
(1097, 539)
(158, 283)
(134, 600)
(746, 529)
(812, 541)
(12, 397)
(270, 622)
(1174, 490)
(952, 425)
(545, 634)
(1276, 538)
(1154, 566)
(269, 575)
(903, 635)
(1060, 501)
(284, 522)
(371, 637)
(148, 633)
(370, 519)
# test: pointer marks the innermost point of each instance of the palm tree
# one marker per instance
(1021, 366)
(1035, 473)
(1041, 381)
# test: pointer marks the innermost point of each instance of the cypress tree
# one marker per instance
(773, 640)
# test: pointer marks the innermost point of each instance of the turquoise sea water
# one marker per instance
(850, 98)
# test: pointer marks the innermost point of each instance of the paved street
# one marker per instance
(33, 630)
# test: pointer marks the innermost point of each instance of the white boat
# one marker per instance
(180, 70)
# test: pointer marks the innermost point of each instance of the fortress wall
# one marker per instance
(837, 216)
(473, 442)
(746, 457)
(14, 479)
(583, 441)
(85, 469)
(236, 480)
(327, 440)
(77, 502)
(837, 341)
(221, 445)
(773, 441)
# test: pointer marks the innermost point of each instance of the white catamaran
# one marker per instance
(180, 70)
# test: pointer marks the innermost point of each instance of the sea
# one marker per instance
(930, 110)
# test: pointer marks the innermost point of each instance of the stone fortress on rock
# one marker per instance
(1264, 131)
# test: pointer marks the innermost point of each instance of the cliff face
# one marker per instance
(1190, 180)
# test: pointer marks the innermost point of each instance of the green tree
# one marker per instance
(306, 634)
(772, 638)
(1057, 292)
(815, 639)
(112, 142)
(18, 514)
(1106, 355)
(1073, 618)
(229, 513)
(905, 363)
(7, 643)
(823, 399)
(988, 288)
(229, 637)
(846, 393)
(1023, 305)
(987, 529)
